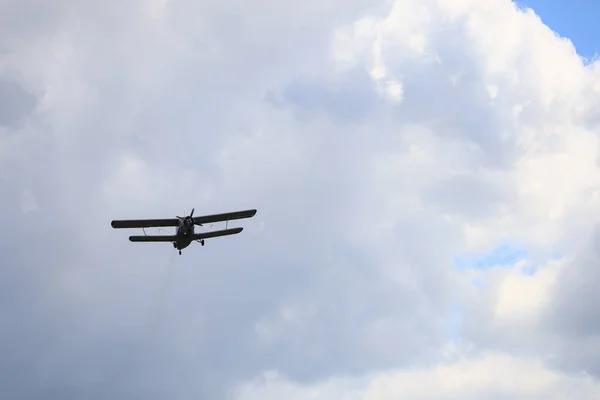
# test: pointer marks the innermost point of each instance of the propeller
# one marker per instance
(190, 217)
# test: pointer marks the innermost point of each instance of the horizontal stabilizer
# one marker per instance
(212, 234)
(153, 238)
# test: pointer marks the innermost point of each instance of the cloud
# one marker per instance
(378, 143)
(492, 376)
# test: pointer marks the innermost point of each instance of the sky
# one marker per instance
(425, 173)
(573, 20)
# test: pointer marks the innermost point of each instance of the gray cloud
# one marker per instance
(571, 313)
(16, 103)
(88, 314)
(345, 269)
(469, 195)
(350, 100)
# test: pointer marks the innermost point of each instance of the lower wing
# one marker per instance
(212, 234)
(153, 238)
(173, 238)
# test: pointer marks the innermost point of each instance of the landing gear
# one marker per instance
(179, 252)
(202, 242)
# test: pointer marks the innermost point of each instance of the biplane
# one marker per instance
(185, 233)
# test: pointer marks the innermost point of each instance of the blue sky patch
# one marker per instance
(573, 19)
(504, 255)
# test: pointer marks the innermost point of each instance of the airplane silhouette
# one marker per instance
(185, 233)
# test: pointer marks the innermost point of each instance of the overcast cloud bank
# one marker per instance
(378, 143)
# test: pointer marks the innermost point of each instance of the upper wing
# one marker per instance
(153, 238)
(144, 223)
(213, 234)
(208, 219)
(204, 219)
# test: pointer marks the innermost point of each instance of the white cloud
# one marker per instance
(490, 376)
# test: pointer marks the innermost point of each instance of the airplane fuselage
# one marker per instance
(185, 233)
